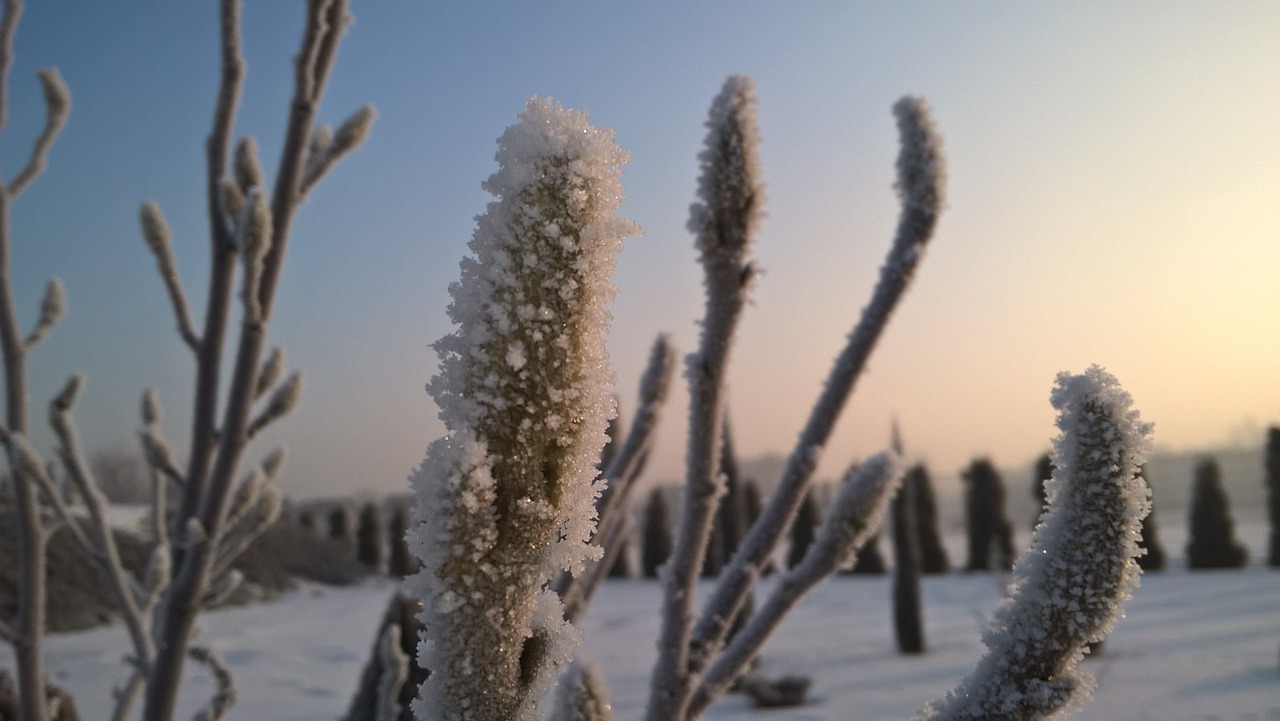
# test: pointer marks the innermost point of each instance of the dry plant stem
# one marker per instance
(57, 106)
(852, 519)
(621, 474)
(922, 202)
(395, 671)
(206, 492)
(613, 544)
(222, 265)
(106, 555)
(26, 633)
(125, 696)
(732, 195)
(225, 695)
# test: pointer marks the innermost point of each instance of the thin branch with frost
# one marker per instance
(620, 476)
(23, 459)
(852, 519)
(506, 498)
(327, 148)
(920, 170)
(655, 385)
(125, 695)
(225, 696)
(52, 308)
(158, 454)
(395, 671)
(582, 695)
(105, 554)
(29, 529)
(1069, 587)
(220, 437)
(247, 529)
(156, 233)
(725, 222)
(278, 406)
(57, 102)
(271, 373)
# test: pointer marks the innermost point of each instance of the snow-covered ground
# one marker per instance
(1194, 647)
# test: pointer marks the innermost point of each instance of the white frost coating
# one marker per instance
(507, 498)
(1068, 588)
(582, 695)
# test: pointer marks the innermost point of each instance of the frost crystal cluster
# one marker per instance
(506, 498)
(1068, 588)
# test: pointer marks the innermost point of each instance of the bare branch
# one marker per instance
(225, 697)
(155, 231)
(271, 372)
(395, 671)
(254, 241)
(725, 220)
(351, 135)
(240, 536)
(106, 554)
(57, 101)
(220, 590)
(52, 308)
(248, 168)
(920, 185)
(8, 28)
(853, 518)
(159, 456)
(281, 402)
(125, 696)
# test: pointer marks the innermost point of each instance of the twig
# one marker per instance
(725, 221)
(155, 231)
(322, 157)
(623, 470)
(107, 555)
(920, 186)
(853, 518)
(395, 671)
(125, 696)
(57, 101)
(225, 697)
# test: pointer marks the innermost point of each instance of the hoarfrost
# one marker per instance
(507, 497)
(1068, 588)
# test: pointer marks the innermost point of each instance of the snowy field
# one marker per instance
(1194, 647)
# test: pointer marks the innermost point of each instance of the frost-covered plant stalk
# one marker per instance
(582, 696)
(25, 630)
(1068, 588)
(725, 222)
(506, 498)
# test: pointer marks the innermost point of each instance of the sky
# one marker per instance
(1113, 197)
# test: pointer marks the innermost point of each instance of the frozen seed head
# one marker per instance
(730, 190)
(1068, 589)
(921, 167)
(506, 499)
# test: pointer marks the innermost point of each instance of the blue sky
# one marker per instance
(1114, 197)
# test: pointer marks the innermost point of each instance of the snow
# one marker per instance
(1196, 646)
